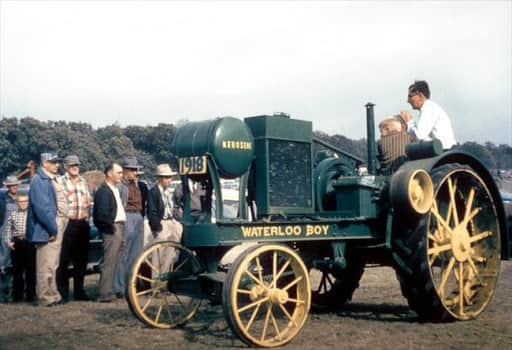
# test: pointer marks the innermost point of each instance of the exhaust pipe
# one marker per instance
(370, 139)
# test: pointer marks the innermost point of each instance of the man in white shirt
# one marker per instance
(109, 217)
(433, 122)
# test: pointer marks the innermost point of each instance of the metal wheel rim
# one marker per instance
(260, 316)
(155, 305)
(463, 240)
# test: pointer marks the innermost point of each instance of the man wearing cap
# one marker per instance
(134, 227)
(109, 217)
(7, 205)
(160, 208)
(75, 244)
(47, 221)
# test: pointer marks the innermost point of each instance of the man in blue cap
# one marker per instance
(48, 218)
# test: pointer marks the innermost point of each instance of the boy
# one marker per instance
(23, 253)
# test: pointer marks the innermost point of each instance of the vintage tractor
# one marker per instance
(308, 222)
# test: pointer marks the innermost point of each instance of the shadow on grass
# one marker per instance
(372, 312)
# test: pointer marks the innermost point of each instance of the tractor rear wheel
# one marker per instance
(448, 264)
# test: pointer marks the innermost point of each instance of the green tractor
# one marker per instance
(308, 222)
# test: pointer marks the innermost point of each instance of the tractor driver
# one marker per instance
(433, 122)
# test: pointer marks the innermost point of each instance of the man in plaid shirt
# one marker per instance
(75, 244)
(23, 253)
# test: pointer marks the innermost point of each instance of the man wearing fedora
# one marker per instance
(7, 205)
(160, 208)
(47, 221)
(131, 196)
(75, 244)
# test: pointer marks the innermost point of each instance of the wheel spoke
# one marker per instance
(168, 308)
(470, 202)
(274, 323)
(435, 211)
(470, 216)
(461, 288)
(274, 282)
(260, 283)
(444, 277)
(146, 291)
(480, 236)
(253, 316)
(159, 312)
(260, 269)
(265, 324)
(179, 300)
(283, 309)
(274, 267)
(144, 278)
(475, 270)
(296, 301)
(152, 266)
(452, 209)
(292, 283)
(439, 249)
(253, 304)
(243, 291)
(147, 304)
(182, 263)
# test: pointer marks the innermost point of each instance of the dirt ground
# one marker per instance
(377, 318)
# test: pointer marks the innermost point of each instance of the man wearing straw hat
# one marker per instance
(160, 214)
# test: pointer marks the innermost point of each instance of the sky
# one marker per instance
(144, 63)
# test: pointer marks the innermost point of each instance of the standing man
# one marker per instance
(160, 208)
(75, 244)
(433, 122)
(48, 218)
(109, 217)
(7, 205)
(134, 228)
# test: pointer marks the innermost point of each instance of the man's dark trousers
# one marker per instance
(75, 249)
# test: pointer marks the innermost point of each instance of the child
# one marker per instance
(391, 146)
(23, 253)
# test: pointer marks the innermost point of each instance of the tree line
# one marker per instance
(22, 140)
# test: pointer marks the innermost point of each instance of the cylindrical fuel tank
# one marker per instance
(228, 140)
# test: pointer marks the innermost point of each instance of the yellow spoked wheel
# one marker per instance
(454, 254)
(267, 295)
(161, 286)
(463, 244)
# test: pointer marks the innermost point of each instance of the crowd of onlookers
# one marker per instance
(45, 230)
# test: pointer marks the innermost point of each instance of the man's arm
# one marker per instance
(152, 209)
(40, 203)
(424, 126)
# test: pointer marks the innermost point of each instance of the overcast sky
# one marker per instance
(141, 63)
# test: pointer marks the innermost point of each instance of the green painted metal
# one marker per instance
(227, 140)
(283, 165)
(358, 196)
(230, 234)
